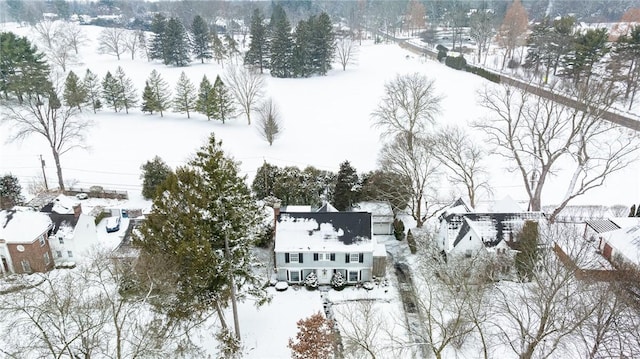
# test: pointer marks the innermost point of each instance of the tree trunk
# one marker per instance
(56, 158)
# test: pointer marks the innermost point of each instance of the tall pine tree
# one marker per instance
(176, 44)
(205, 102)
(209, 208)
(111, 92)
(302, 64)
(10, 192)
(258, 53)
(91, 84)
(74, 95)
(346, 190)
(281, 44)
(157, 46)
(160, 91)
(219, 51)
(200, 37)
(322, 44)
(149, 103)
(185, 98)
(223, 104)
(128, 93)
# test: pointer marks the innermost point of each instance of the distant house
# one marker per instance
(326, 243)
(594, 228)
(24, 244)
(464, 231)
(73, 233)
(381, 216)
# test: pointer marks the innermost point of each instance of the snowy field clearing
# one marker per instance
(326, 119)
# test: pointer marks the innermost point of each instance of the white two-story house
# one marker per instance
(326, 243)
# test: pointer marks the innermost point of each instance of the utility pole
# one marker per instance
(44, 175)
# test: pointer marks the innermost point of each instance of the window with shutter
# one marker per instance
(315, 257)
(361, 258)
(333, 257)
(346, 257)
(300, 257)
(286, 257)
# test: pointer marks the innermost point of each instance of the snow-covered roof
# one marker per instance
(296, 209)
(376, 208)
(506, 205)
(22, 226)
(323, 231)
(626, 242)
(379, 250)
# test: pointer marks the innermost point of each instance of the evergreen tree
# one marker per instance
(159, 29)
(322, 44)
(219, 52)
(632, 211)
(232, 46)
(127, 91)
(302, 66)
(185, 98)
(224, 106)
(10, 192)
(205, 101)
(528, 252)
(154, 173)
(281, 44)
(111, 92)
(176, 44)
(265, 180)
(200, 39)
(161, 93)
(74, 94)
(346, 190)
(204, 224)
(588, 49)
(258, 53)
(23, 70)
(92, 86)
(148, 99)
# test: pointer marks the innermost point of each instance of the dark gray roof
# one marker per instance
(354, 225)
(602, 225)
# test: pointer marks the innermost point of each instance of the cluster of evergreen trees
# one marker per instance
(23, 69)
(307, 51)
(116, 91)
(173, 44)
(311, 186)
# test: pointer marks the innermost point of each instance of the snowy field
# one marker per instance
(327, 120)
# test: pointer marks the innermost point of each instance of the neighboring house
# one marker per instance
(74, 233)
(594, 228)
(621, 246)
(327, 243)
(24, 244)
(381, 216)
(465, 232)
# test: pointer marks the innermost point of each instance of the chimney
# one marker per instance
(77, 211)
(276, 213)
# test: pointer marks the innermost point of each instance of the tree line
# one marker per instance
(306, 51)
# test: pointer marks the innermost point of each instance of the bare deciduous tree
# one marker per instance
(247, 87)
(512, 32)
(45, 115)
(113, 41)
(361, 328)
(346, 51)
(409, 105)
(481, 30)
(48, 31)
(464, 159)
(73, 35)
(536, 133)
(269, 121)
(415, 161)
(132, 42)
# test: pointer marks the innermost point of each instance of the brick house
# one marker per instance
(24, 242)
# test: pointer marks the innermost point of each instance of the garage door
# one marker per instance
(381, 228)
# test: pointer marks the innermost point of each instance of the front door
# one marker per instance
(324, 276)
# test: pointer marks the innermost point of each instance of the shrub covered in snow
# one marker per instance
(311, 282)
(337, 281)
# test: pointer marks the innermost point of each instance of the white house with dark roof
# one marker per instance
(465, 232)
(326, 243)
(74, 233)
(621, 245)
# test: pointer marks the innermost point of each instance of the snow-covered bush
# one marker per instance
(311, 282)
(337, 281)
